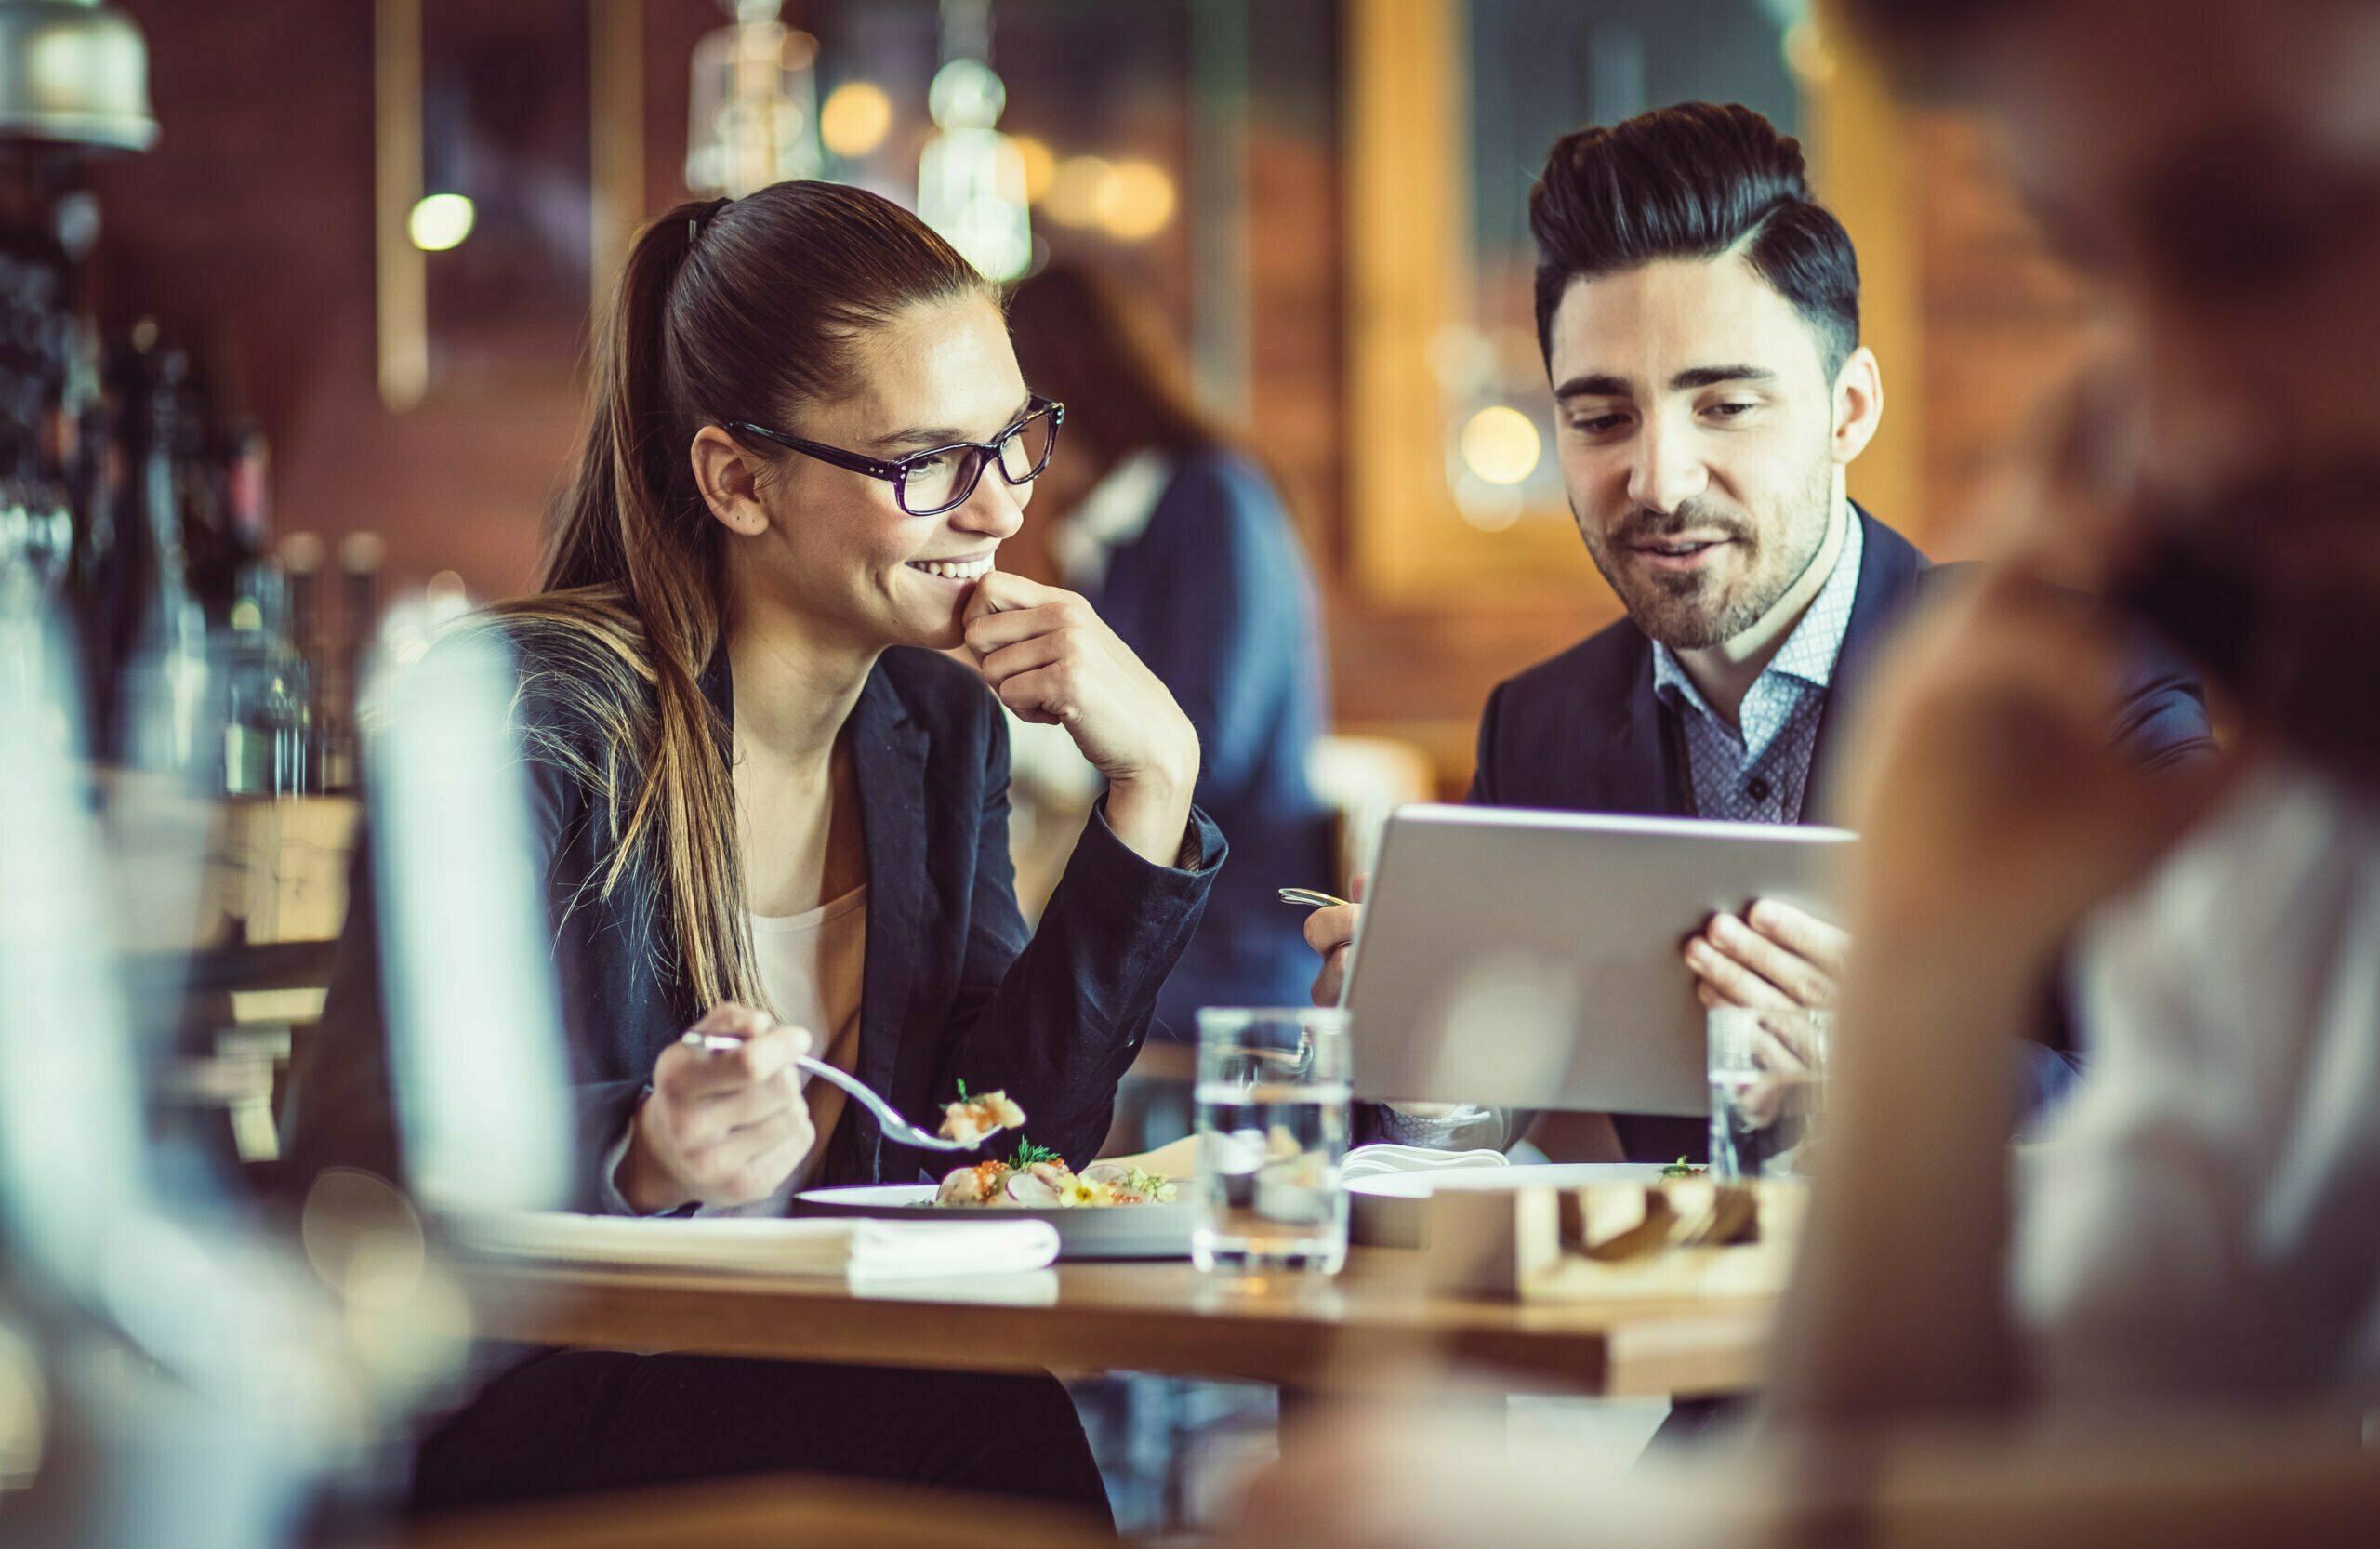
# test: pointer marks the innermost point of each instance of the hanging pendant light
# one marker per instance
(73, 72)
(753, 110)
(971, 177)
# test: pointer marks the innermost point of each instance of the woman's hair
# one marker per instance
(1083, 340)
(725, 310)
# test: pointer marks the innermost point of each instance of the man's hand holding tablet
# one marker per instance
(1771, 957)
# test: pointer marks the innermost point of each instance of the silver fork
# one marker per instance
(896, 1129)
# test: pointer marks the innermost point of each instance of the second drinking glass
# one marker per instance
(1274, 1091)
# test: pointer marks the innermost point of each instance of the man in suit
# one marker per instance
(1698, 314)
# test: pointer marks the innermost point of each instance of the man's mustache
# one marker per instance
(1647, 525)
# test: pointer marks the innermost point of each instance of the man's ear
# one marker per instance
(1858, 405)
(728, 475)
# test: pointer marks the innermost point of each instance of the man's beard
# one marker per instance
(1694, 610)
(2272, 587)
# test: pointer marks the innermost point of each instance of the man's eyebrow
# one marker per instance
(1603, 384)
(1711, 375)
(925, 438)
(1597, 386)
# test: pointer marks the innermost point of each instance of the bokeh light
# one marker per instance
(440, 222)
(1079, 190)
(1040, 166)
(1501, 445)
(855, 119)
(1136, 201)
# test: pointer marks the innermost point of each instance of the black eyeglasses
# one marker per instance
(928, 484)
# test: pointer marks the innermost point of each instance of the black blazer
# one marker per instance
(1584, 732)
(955, 987)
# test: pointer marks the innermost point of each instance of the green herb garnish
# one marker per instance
(1027, 1154)
(1683, 1169)
(963, 1092)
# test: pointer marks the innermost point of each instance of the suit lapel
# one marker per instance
(889, 756)
(1888, 568)
(1635, 770)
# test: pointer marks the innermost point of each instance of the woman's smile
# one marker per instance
(973, 567)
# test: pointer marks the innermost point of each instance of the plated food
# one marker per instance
(1037, 1178)
(972, 1120)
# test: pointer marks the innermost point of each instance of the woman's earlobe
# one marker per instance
(724, 482)
(739, 513)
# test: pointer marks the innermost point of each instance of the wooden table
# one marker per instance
(770, 1512)
(1375, 1327)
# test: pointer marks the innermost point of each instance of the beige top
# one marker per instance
(811, 965)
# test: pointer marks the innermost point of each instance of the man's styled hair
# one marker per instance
(1693, 181)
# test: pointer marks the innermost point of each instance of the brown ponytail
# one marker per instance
(725, 311)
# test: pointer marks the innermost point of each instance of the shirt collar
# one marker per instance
(1112, 516)
(1810, 651)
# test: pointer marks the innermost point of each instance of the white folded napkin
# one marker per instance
(868, 1249)
(1368, 1161)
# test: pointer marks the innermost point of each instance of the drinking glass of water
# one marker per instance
(1272, 1093)
(1767, 1072)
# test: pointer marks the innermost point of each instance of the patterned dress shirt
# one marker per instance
(1757, 770)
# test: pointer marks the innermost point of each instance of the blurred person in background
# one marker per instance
(2198, 1233)
(1699, 312)
(771, 807)
(2202, 1228)
(1186, 546)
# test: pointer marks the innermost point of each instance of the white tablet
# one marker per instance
(1531, 958)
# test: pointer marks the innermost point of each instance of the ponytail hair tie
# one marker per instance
(694, 224)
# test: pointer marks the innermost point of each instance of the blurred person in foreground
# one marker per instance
(769, 807)
(2199, 1234)
(1699, 312)
(1185, 548)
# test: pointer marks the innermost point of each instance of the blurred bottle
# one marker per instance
(36, 531)
(95, 470)
(162, 720)
(267, 721)
(268, 737)
(301, 563)
(359, 561)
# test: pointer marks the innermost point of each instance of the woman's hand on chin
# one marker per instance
(1050, 658)
(722, 1127)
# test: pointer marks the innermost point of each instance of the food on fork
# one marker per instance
(974, 1118)
(1037, 1178)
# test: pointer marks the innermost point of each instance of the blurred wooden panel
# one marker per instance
(1863, 171)
(1408, 262)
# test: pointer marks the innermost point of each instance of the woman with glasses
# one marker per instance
(774, 807)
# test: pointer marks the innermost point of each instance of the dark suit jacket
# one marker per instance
(1585, 733)
(955, 988)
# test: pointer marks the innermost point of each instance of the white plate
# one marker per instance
(1385, 1209)
(1094, 1232)
(1421, 1184)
